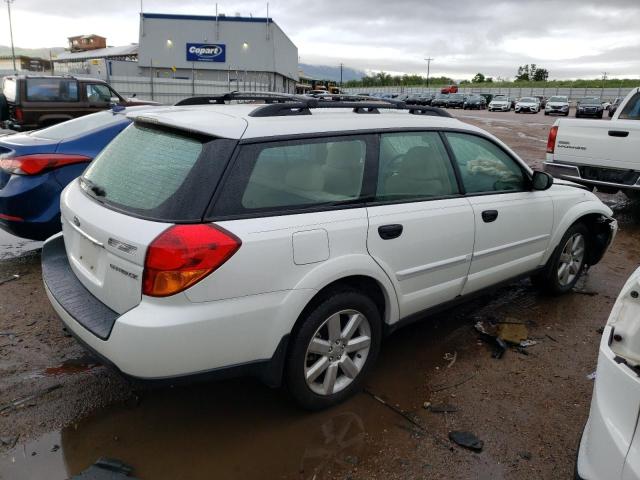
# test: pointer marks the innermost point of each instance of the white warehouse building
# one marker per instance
(240, 52)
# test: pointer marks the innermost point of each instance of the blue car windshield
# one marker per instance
(80, 126)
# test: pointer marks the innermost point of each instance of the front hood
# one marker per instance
(557, 104)
(625, 320)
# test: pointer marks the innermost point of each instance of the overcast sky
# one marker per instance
(571, 38)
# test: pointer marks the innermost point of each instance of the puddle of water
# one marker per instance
(241, 429)
(46, 463)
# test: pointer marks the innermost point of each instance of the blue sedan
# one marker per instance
(36, 166)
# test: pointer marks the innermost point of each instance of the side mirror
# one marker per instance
(134, 95)
(541, 181)
(114, 101)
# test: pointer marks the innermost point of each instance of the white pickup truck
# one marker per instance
(604, 154)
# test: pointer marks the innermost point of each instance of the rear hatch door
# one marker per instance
(147, 179)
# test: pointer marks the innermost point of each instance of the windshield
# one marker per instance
(456, 96)
(589, 101)
(499, 99)
(80, 126)
(528, 100)
(559, 99)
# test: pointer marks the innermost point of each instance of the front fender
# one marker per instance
(571, 216)
(353, 265)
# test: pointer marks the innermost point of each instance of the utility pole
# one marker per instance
(341, 66)
(13, 52)
(604, 78)
(428, 60)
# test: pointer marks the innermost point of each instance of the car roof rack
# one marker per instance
(358, 106)
(287, 104)
(267, 97)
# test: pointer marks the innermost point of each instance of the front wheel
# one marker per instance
(566, 264)
(332, 351)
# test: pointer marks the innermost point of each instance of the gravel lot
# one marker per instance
(529, 409)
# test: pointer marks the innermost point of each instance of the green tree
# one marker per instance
(541, 75)
(479, 78)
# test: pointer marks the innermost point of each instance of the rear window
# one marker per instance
(9, 89)
(51, 90)
(158, 173)
(80, 126)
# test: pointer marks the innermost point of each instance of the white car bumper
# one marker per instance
(609, 433)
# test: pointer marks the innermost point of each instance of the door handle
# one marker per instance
(618, 133)
(489, 215)
(389, 232)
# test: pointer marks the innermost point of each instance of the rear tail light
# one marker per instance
(39, 163)
(551, 142)
(19, 114)
(183, 255)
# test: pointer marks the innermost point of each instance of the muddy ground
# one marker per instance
(60, 412)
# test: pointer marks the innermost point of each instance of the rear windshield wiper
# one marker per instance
(97, 190)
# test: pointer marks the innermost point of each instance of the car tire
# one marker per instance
(330, 360)
(571, 253)
(600, 115)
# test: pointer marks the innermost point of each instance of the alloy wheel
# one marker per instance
(571, 259)
(337, 352)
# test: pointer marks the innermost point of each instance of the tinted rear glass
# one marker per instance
(80, 126)
(52, 90)
(158, 173)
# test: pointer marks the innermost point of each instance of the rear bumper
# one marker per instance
(35, 200)
(572, 172)
(164, 340)
(612, 420)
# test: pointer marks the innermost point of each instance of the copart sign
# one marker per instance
(205, 52)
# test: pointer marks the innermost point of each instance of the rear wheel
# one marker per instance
(566, 264)
(333, 350)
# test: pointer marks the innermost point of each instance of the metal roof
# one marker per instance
(125, 50)
(219, 18)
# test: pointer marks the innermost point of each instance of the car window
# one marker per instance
(51, 90)
(290, 176)
(97, 93)
(414, 165)
(632, 110)
(485, 167)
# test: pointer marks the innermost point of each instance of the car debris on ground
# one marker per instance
(466, 440)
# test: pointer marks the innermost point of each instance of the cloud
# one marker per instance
(570, 38)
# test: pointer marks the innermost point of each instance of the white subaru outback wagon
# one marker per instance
(285, 239)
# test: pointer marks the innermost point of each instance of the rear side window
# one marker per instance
(485, 167)
(293, 175)
(157, 173)
(632, 109)
(9, 89)
(414, 165)
(51, 90)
